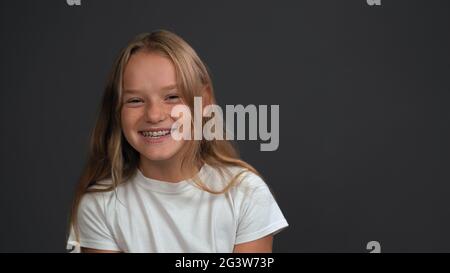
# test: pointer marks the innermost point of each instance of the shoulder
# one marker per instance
(245, 181)
(99, 195)
(248, 181)
(92, 202)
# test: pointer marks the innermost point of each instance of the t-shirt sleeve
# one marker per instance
(259, 213)
(92, 226)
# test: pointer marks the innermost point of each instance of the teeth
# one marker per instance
(155, 133)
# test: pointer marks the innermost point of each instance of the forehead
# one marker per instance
(148, 71)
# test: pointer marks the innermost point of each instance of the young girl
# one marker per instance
(144, 191)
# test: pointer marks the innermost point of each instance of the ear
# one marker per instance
(207, 95)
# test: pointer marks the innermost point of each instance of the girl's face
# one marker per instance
(149, 94)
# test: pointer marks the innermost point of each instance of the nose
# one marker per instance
(155, 113)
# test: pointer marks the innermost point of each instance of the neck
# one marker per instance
(166, 170)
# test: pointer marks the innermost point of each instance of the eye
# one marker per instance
(173, 97)
(134, 101)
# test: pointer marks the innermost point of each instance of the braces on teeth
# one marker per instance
(155, 134)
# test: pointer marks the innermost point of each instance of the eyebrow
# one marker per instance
(165, 88)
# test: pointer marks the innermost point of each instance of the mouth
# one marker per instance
(155, 133)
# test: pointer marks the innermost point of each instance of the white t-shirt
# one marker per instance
(148, 215)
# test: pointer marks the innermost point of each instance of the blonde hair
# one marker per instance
(112, 157)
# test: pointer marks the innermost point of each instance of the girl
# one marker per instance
(144, 191)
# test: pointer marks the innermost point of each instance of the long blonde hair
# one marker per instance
(112, 157)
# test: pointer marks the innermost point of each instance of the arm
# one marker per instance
(263, 245)
(94, 235)
(92, 250)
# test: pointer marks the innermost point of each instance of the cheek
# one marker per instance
(168, 110)
(129, 119)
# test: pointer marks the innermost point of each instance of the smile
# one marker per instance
(155, 134)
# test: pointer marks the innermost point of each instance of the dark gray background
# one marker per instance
(363, 94)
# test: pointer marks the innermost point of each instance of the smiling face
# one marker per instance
(149, 94)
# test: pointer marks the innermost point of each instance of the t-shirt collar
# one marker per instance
(165, 186)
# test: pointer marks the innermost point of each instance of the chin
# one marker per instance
(159, 154)
(156, 156)
(157, 151)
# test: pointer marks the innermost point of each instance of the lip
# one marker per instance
(155, 129)
(150, 140)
